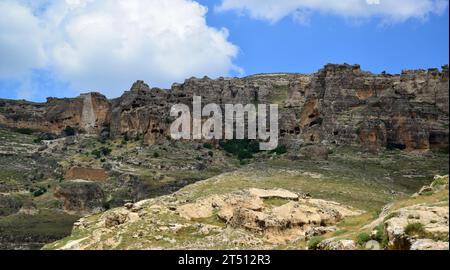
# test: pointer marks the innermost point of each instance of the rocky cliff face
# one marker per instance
(340, 104)
(88, 113)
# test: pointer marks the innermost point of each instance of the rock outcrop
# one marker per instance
(81, 196)
(240, 218)
(340, 104)
(87, 113)
(202, 217)
(415, 223)
(422, 223)
(337, 244)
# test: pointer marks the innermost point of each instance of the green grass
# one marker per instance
(340, 232)
(275, 201)
(275, 174)
(212, 220)
(280, 94)
(391, 215)
(12, 179)
(315, 241)
(416, 228)
(364, 181)
(46, 226)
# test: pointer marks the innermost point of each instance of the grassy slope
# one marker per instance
(365, 183)
(23, 230)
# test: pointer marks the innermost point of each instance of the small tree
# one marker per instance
(25, 131)
(207, 146)
(69, 131)
(363, 238)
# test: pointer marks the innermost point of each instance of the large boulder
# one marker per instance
(429, 244)
(251, 210)
(336, 244)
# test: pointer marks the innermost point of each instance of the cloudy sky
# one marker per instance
(66, 47)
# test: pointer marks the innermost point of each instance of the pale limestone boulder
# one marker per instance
(428, 244)
(334, 244)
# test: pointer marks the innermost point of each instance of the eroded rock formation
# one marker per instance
(340, 104)
(88, 112)
(81, 196)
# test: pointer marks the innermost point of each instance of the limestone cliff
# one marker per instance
(340, 104)
(88, 113)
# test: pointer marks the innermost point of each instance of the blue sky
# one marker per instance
(87, 50)
(291, 47)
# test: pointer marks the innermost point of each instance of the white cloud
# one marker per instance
(21, 40)
(106, 44)
(391, 11)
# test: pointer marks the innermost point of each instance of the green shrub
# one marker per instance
(315, 241)
(244, 155)
(102, 140)
(281, 149)
(243, 149)
(104, 135)
(69, 131)
(96, 153)
(363, 238)
(442, 151)
(41, 191)
(105, 151)
(440, 181)
(106, 205)
(415, 229)
(44, 137)
(381, 236)
(60, 178)
(156, 155)
(376, 213)
(101, 152)
(207, 146)
(25, 131)
(243, 162)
